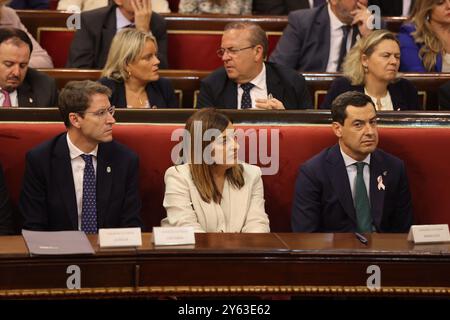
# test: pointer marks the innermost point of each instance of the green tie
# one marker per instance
(362, 205)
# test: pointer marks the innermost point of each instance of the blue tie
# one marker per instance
(246, 101)
(89, 202)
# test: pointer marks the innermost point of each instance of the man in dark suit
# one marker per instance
(21, 86)
(352, 186)
(82, 180)
(90, 46)
(246, 81)
(6, 224)
(317, 39)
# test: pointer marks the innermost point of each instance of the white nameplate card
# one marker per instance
(431, 233)
(173, 236)
(119, 237)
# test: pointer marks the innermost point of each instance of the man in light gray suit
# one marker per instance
(317, 39)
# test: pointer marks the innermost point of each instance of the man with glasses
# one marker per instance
(246, 81)
(82, 179)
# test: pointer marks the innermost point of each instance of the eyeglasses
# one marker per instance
(102, 113)
(231, 51)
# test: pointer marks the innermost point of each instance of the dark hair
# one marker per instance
(257, 34)
(350, 98)
(17, 36)
(201, 173)
(76, 97)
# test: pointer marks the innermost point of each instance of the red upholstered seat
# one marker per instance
(194, 50)
(57, 43)
(423, 150)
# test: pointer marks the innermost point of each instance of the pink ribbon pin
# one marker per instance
(380, 183)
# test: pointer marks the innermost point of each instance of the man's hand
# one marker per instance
(142, 14)
(362, 18)
(271, 103)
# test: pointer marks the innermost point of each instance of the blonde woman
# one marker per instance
(216, 6)
(425, 39)
(131, 72)
(371, 67)
(159, 6)
(212, 191)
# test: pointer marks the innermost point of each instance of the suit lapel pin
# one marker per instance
(108, 169)
(385, 173)
(380, 183)
(30, 100)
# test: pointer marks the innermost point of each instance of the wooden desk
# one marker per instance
(234, 264)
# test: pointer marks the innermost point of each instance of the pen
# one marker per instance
(361, 238)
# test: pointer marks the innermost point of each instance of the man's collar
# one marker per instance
(260, 80)
(335, 23)
(74, 151)
(349, 161)
(121, 20)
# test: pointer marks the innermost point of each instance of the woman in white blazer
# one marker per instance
(212, 191)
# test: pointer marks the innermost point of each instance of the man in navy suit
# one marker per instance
(245, 80)
(82, 179)
(316, 39)
(352, 186)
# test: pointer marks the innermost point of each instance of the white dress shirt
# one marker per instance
(12, 97)
(336, 35)
(352, 171)
(78, 165)
(386, 102)
(259, 91)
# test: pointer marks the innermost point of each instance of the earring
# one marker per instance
(428, 17)
(129, 74)
(366, 69)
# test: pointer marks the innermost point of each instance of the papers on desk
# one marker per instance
(57, 242)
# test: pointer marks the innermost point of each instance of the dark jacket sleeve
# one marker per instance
(303, 95)
(338, 86)
(206, 97)
(289, 47)
(6, 220)
(411, 95)
(132, 201)
(33, 196)
(169, 93)
(306, 202)
(82, 48)
(403, 218)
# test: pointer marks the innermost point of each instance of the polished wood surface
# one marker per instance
(247, 117)
(239, 264)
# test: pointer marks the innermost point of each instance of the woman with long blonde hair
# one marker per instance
(425, 38)
(216, 6)
(371, 67)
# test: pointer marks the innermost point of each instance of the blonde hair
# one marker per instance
(352, 67)
(125, 48)
(201, 172)
(424, 35)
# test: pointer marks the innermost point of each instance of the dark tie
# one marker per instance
(342, 52)
(246, 101)
(7, 99)
(131, 25)
(362, 205)
(89, 202)
(319, 2)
